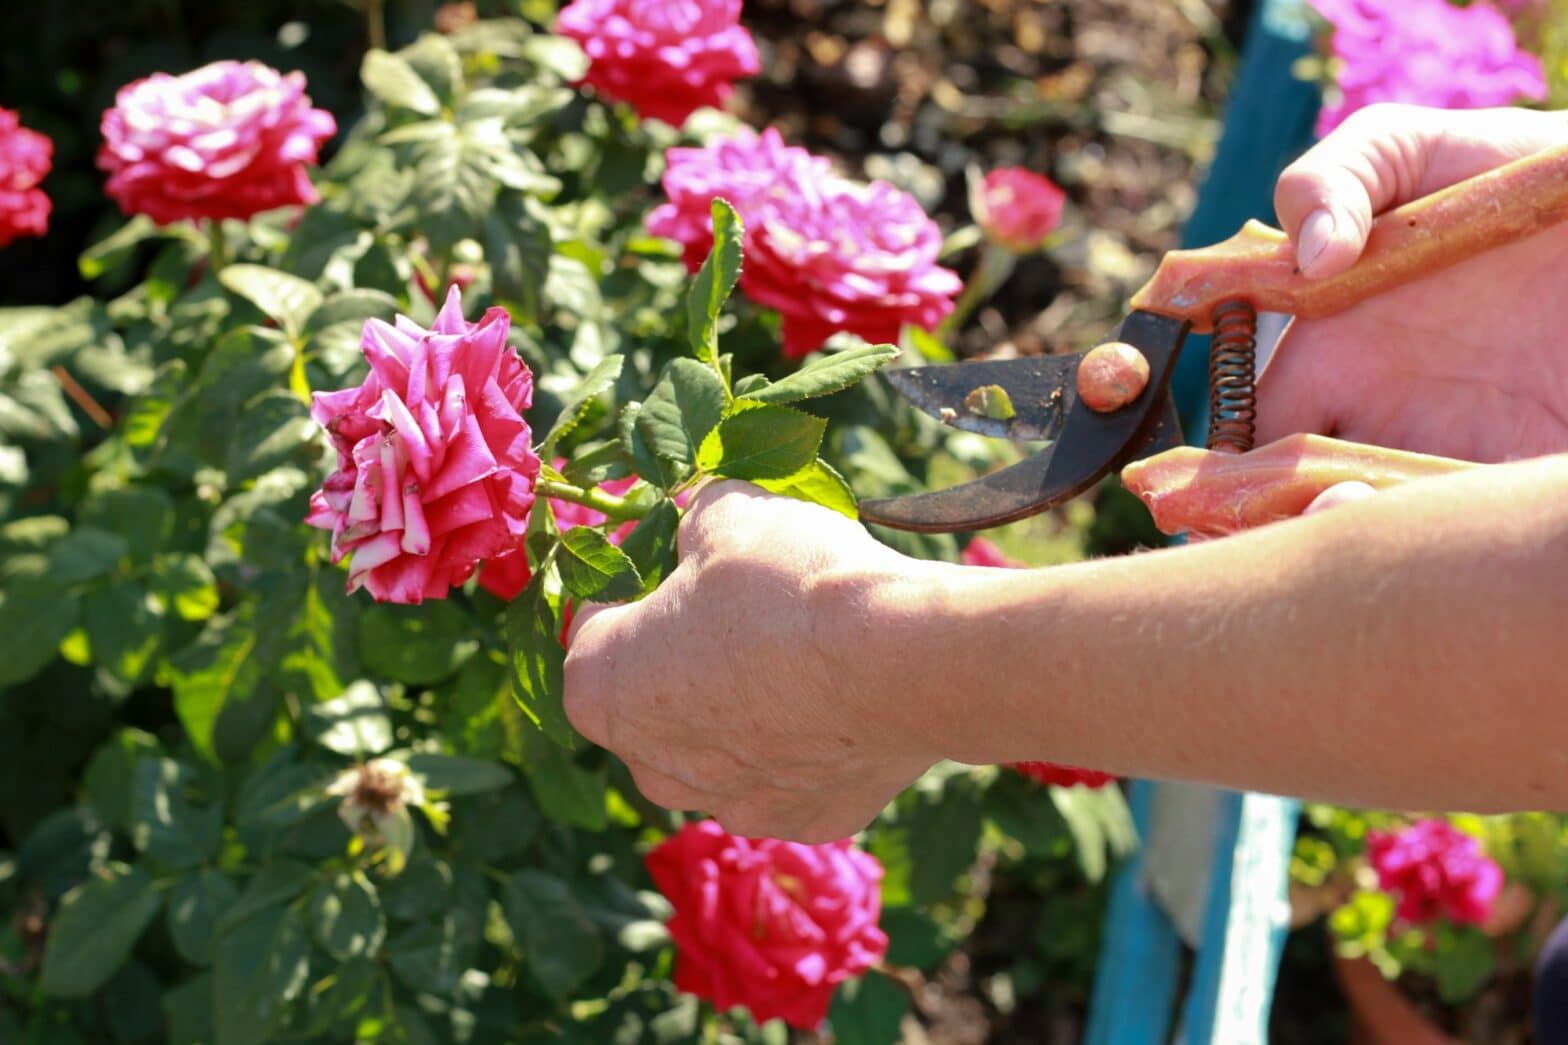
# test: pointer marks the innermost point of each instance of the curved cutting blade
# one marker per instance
(1034, 388)
(1088, 446)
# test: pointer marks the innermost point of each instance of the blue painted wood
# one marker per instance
(1269, 122)
(1140, 957)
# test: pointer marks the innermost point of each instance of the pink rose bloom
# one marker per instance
(25, 157)
(756, 173)
(229, 140)
(1052, 775)
(827, 253)
(1425, 52)
(666, 58)
(507, 576)
(435, 467)
(981, 552)
(1435, 870)
(1017, 208)
(773, 926)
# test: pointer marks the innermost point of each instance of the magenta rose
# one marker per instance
(1425, 52)
(25, 157)
(772, 926)
(229, 140)
(1017, 208)
(827, 253)
(435, 467)
(665, 59)
(1435, 870)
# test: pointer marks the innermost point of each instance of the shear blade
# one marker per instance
(1087, 445)
(1035, 387)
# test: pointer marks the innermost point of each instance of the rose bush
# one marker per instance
(242, 800)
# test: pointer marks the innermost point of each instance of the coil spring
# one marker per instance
(1233, 400)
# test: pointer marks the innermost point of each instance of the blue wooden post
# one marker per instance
(1245, 910)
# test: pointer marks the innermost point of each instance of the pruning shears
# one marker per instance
(1218, 290)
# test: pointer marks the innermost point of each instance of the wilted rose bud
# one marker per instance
(1016, 209)
(376, 801)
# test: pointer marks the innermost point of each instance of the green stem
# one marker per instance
(217, 247)
(616, 508)
(996, 264)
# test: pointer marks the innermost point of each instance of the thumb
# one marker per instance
(1338, 494)
(1326, 199)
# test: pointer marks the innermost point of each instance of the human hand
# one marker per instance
(758, 683)
(1468, 362)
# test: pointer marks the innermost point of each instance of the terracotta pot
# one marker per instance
(1380, 1014)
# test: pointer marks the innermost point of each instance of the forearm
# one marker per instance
(1394, 652)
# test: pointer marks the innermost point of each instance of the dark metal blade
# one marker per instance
(1034, 385)
(1089, 446)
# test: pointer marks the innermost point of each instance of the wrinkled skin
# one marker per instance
(764, 683)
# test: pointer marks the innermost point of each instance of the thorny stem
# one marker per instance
(82, 398)
(616, 508)
(996, 264)
(375, 25)
(217, 249)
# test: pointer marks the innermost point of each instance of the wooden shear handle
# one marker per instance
(1258, 264)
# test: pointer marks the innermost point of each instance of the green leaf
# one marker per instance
(819, 484)
(110, 772)
(647, 464)
(165, 824)
(418, 645)
(826, 374)
(124, 628)
(538, 660)
(564, 791)
(715, 281)
(190, 1012)
(186, 585)
(345, 915)
(869, 1011)
(353, 307)
(222, 665)
(97, 925)
(116, 248)
(594, 569)
(684, 407)
(518, 246)
(284, 298)
(915, 939)
(651, 544)
(575, 406)
(34, 618)
(396, 85)
(555, 934)
(1101, 825)
(272, 429)
(195, 903)
(436, 62)
(259, 968)
(459, 774)
(143, 515)
(434, 955)
(355, 724)
(944, 835)
(275, 884)
(762, 441)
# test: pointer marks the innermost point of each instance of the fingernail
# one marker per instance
(1316, 232)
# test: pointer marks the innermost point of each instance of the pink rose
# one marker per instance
(1425, 52)
(665, 59)
(229, 140)
(756, 173)
(1434, 869)
(435, 468)
(773, 926)
(827, 253)
(507, 576)
(25, 157)
(1017, 208)
(1052, 775)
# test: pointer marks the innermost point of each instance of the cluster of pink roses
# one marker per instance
(829, 254)
(25, 157)
(1425, 52)
(1434, 870)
